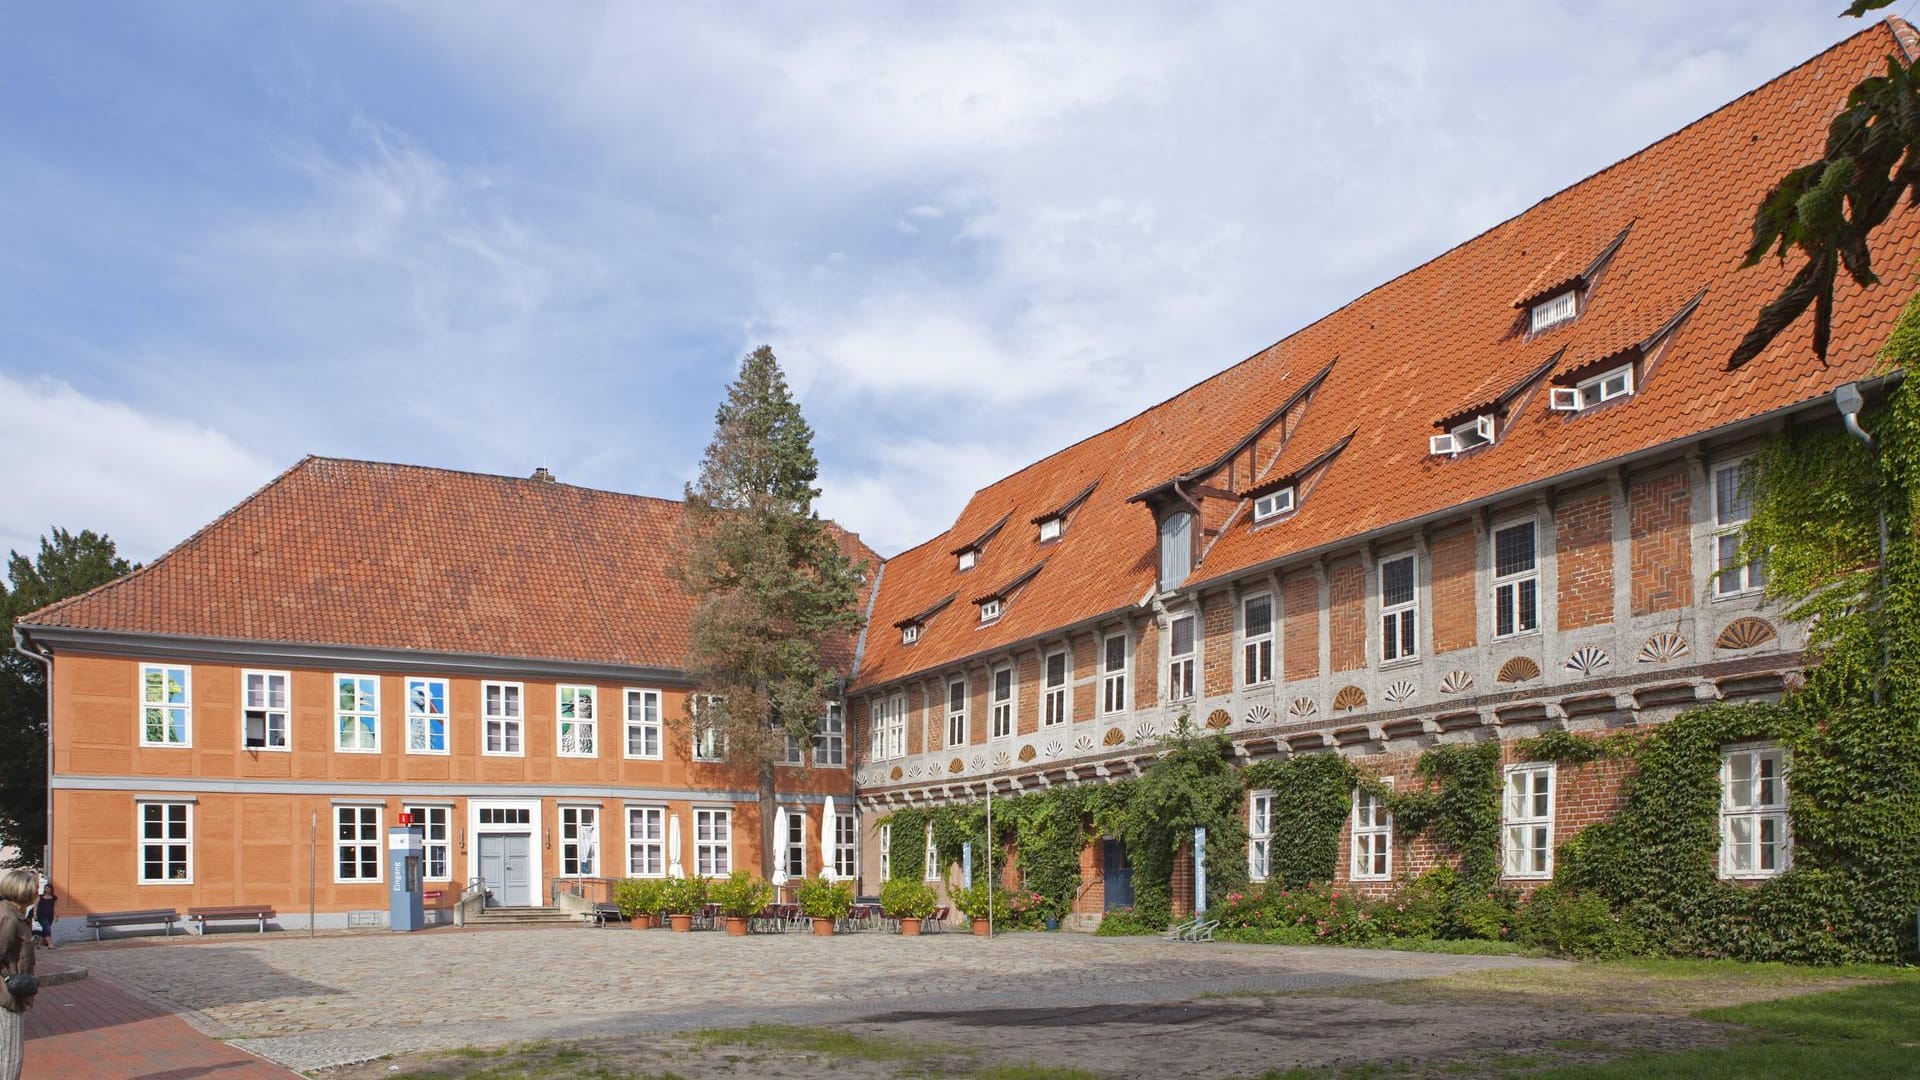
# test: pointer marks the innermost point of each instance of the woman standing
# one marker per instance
(17, 894)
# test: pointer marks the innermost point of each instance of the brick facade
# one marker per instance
(1347, 614)
(1216, 626)
(1583, 547)
(1454, 588)
(1659, 520)
(1300, 603)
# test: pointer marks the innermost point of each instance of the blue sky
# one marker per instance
(495, 236)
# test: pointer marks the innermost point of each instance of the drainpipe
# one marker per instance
(45, 659)
(1849, 400)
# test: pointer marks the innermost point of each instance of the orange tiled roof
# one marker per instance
(368, 554)
(1425, 344)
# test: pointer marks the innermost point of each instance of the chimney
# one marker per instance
(541, 474)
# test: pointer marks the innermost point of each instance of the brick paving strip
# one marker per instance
(92, 1027)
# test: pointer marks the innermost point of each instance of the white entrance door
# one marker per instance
(506, 867)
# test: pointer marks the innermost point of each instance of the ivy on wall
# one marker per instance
(1312, 797)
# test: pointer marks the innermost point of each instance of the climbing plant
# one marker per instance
(1312, 797)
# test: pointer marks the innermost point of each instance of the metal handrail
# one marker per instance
(475, 887)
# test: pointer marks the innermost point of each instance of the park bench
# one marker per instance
(256, 913)
(100, 919)
(606, 913)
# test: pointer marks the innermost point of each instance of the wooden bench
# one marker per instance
(236, 913)
(606, 913)
(100, 919)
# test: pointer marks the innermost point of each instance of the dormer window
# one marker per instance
(1476, 432)
(1273, 504)
(1615, 383)
(1176, 549)
(968, 558)
(989, 610)
(1555, 310)
(1049, 529)
(909, 633)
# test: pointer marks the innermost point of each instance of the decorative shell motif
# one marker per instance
(897, 773)
(1145, 729)
(1028, 753)
(1302, 707)
(1055, 748)
(913, 771)
(1349, 697)
(1519, 669)
(1084, 742)
(979, 763)
(1219, 718)
(1662, 647)
(1588, 660)
(1745, 633)
(1399, 692)
(956, 765)
(1114, 737)
(1002, 759)
(1260, 714)
(1457, 682)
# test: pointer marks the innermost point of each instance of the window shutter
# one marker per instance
(1441, 444)
(1565, 399)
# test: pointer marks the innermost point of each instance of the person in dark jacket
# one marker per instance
(16, 958)
(43, 914)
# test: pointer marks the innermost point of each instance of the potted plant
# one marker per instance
(638, 900)
(824, 901)
(681, 896)
(741, 896)
(978, 903)
(910, 902)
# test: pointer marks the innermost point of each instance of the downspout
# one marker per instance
(1849, 400)
(45, 659)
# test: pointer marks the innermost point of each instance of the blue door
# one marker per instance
(1118, 873)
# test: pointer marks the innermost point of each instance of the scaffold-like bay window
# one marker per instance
(1526, 821)
(1754, 838)
(1259, 834)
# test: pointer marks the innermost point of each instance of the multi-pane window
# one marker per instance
(579, 840)
(793, 846)
(356, 843)
(712, 842)
(503, 714)
(1732, 509)
(264, 710)
(886, 851)
(1256, 636)
(989, 609)
(506, 815)
(1606, 386)
(830, 742)
(1754, 840)
(957, 713)
(844, 838)
(643, 723)
(1113, 675)
(1273, 504)
(1002, 711)
(426, 716)
(1259, 834)
(166, 705)
(1516, 581)
(166, 843)
(433, 837)
(1176, 549)
(579, 721)
(931, 871)
(356, 713)
(887, 727)
(1180, 651)
(1372, 837)
(1054, 710)
(1399, 610)
(709, 732)
(1526, 821)
(646, 841)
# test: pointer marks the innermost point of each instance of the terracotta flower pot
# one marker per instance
(736, 926)
(981, 927)
(681, 923)
(909, 927)
(641, 922)
(823, 927)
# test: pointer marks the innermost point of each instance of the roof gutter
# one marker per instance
(41, 656)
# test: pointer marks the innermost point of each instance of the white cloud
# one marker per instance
(147, 481)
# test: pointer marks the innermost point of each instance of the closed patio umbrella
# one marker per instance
(674, 869)
(780, 846)
(826, 840)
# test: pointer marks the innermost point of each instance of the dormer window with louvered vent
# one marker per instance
(1554, 310)
(1475, 433)
(1273, 504)
(1606, 386)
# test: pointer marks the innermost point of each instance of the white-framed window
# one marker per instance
(1113, 674)
(1001, 713)
(1054, 707)
(646, 841)
(1477, 432)
(1256, 640)
(264, 710)
(887, 727)
(1606, 386)
(1180, 657)
(910, 633)
(1732, 509)
(1176, 549)
(579, 717)
(830, 742)
(643, 724)
(1516, 581)
(1259, 834)
(356, 843)
(1273, 504)
(426, 716)
(506, 815)
(1526, 821)
(989, 610)
(793, 846)
(579, 840)
(968, 559)
(886, 851)
(1372, 837)
(503, 713)
(1755, 841)
(166, 705)
(844, 840)
(1049, 529)
(931, 870)
(166, 842)
(712, 842)
(709, 730)
(957, 712)
(1399, 610)
(1555, 310)
(356, 714)
(433, 822)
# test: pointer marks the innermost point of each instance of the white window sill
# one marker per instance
(1742, 594)
(267, 749)
(1543, 875)
(166, 745)
(354, 750)
(1516, 635)
(427, 753)
(1400, 662)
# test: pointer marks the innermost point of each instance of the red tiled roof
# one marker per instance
(1440, 335)
(369, 554)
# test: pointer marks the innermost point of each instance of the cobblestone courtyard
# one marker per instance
(311, 1003)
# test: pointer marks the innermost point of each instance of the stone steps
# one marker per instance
(525, 916)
